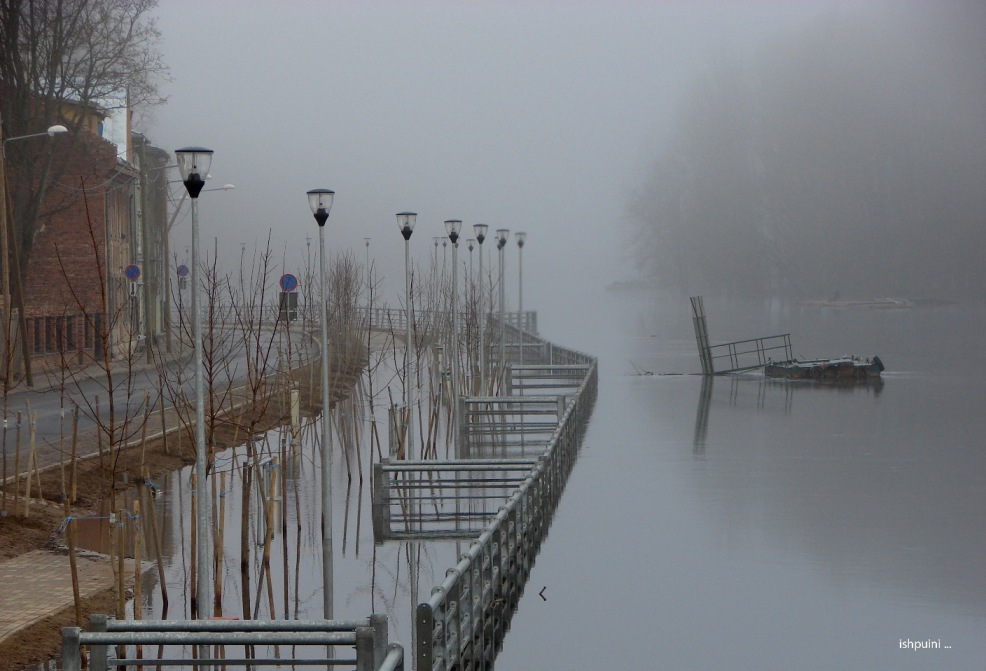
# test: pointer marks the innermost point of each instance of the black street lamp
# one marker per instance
(320, 200)
(480, 232)
(405, 222)
(193, 165)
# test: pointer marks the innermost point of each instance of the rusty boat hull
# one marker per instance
(845, 369)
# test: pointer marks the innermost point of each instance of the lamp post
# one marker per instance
(242, 284)
(501, 241)
(480, 231)
(166, 293)
(405, 222)
(470, 296)
(52, 131)
(193, 164)
(521, 238)
(366, 241)
(453, 226)
(320, 201)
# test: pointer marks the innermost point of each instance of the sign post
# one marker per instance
(288, 304)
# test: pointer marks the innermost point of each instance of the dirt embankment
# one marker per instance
(41, 642)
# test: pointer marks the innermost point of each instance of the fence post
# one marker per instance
(71, 651)
(381, 500)
(461, 440)
(364, 649)
(97, 653)
(392, 431)
(380, 636)
(425, 625)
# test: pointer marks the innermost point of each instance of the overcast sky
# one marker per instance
(536, 115)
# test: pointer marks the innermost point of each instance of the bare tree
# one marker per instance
(113, 356)
(60, 55)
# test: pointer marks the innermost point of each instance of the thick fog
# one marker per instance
(800, 147)
(845, 158)
(536, 116)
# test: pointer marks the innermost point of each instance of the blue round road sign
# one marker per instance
(288, 282)
(182, 270)
(132, 272)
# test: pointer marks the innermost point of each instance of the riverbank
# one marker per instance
(30, 637)
(27, 638)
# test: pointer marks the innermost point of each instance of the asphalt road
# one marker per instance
(51, 402)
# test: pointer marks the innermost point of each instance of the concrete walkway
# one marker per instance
(38, 584)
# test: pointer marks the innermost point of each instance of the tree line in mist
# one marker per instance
(848, 159)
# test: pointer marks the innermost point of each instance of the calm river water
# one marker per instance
(749, 525)
(763, 525)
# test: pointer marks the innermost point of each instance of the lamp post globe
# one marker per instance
(193, 165)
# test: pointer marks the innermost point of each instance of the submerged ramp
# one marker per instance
(739, 355)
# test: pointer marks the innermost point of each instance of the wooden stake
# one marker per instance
(17, 464)
(34, 453)
(113, 548)
(30, 463)
(193, 572)
(121, 546)
(164, 424)
(245, 479)
(61, 447)
(74, 480)
(143, 429)
(154, 540)
(217, 545)
(137, 572)
(99, 436)
(70, 531)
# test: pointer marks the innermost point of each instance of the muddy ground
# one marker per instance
(34, 646)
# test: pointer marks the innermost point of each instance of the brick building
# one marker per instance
(105, 212)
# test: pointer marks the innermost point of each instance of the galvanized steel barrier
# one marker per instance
(463, 623)
(444, 500)
(368, 636)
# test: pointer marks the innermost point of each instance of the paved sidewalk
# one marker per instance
(38, 584)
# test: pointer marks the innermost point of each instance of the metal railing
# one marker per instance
(740, 355)
(506, 421)
(464, 622)
(368, 636)
(526, 321)
(446, 500)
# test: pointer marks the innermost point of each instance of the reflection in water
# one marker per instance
(702, 415)
(269, 507)
(769, 392)
(874, 481)
(781, 525)
(737, 386)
